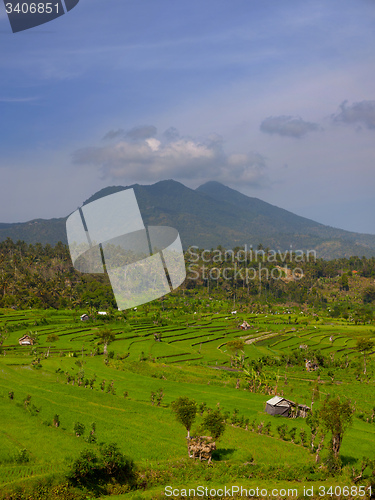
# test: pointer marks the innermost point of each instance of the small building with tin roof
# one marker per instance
(286, 408)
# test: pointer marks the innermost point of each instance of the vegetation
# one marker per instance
(336, 416)
(73, 409)
(185, 411)
(214, 422)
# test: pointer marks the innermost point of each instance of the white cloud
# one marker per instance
(182, 158)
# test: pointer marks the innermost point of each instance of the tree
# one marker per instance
(79, 429)
(364, 346)
(185, 411)
(106, 336)
(84, 469)
(114, 463)
(234, 346)
(111, 466)
(369, 294)
(335, 417)
(344, 283)
(214, 423)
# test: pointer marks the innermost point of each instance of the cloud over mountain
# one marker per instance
(139, 154)
(288, 126)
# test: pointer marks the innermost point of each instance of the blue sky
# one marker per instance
(273, 98)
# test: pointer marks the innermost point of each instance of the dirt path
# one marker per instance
(263, 337)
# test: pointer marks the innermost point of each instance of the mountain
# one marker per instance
(212, 215)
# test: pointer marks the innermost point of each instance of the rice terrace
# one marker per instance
(97, 402)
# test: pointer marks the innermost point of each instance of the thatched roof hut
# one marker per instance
(26, 340)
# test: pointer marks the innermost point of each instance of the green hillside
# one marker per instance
(65, 373)
(214, 215)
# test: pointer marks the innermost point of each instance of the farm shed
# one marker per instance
(278, 406)
(26, 340)
(84, 317)
(245, 325)
(286, 408)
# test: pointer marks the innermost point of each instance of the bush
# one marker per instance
(92, 436)
(214, 423)
(52, 337)
(84, 469)
(79, 429)
(282, 429)
(91, 470)
(56, 420)
(114, 463)
(22, 456)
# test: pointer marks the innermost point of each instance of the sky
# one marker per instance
(273, 98)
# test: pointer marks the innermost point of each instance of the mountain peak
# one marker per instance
(211, 215)
(211, 184)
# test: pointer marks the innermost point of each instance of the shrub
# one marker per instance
(92, 436)
(90, 470)
(281, 429)
(303, 437)
(214, 423)
(22, 456)
(114, 463)
(79, 429)
(84, 469)
(159, 397)
(202, 407)
(292, 433)
(267, 429)
(52, 337)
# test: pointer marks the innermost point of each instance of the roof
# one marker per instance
(278, 401)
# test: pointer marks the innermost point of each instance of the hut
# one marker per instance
(85, 317)
(245, 325)
(278, 406)
(286, 408)
(26, 340)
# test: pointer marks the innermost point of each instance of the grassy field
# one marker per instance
(69, 376)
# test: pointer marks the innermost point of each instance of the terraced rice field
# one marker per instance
(185, 338)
